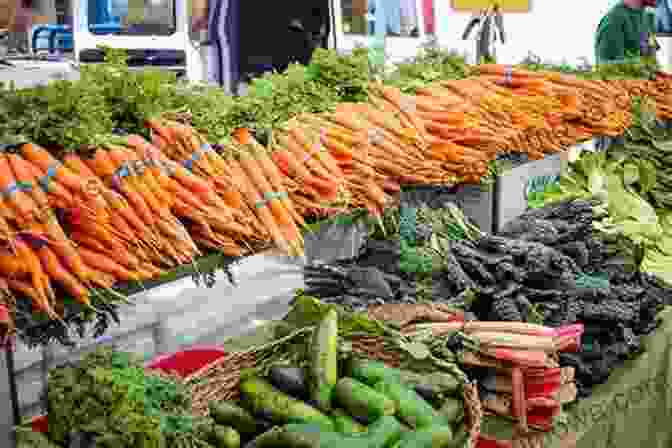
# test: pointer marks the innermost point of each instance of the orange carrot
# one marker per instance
(313, 145)
(291, 166)
(57, 272)
(39, 279)
(290, 143)
(104, 167)
(271, 172)
(21, 203)
(41, 157)
(103, 263)
(266, 192)
(133, 181)
(51, 186)
(255, 200)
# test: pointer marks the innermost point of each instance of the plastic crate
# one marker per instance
(182, 363)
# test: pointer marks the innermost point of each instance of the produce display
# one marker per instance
(330, 396)
(125, 178)
(540, 269)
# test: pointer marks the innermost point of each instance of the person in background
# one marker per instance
(21, 25)
(626, 31)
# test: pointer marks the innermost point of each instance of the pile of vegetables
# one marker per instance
(629, 179)
(109, 400)
(555, 265)
(308, 387)
(91, 203)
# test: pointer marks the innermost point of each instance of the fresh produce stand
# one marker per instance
(142, 181)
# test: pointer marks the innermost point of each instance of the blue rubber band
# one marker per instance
(188, 164)
(205, 147)
(122, 172)
(12, 189)
(51, 173)
(508, 74)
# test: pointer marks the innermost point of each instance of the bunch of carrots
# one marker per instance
(37, 255)
(593, 106)
(133, 208)
(211, 189)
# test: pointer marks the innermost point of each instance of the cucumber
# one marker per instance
(361, 401)
(371, 372)
(430, 437)
(367, 371)
(323, 367)
(452, 409)
(227, 413)
(264, 399)
(290, 380)
(345, 424)
(382, 434)
(438, 382)
(296, 436)
(226, 437)
(411, 408)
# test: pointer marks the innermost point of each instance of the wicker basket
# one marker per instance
(220, 380)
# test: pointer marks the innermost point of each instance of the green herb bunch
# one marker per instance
(348, 74)
(276, 97)
(130, 96)
(431, 64)
(62, 113)
(208, 108)
(110, 396)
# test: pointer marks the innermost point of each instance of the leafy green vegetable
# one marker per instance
(431, 64)
(109, 395)
(349, 75)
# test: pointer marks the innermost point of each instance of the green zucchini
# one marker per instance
(411, 408)
(382, 434)
(371, 372)
(442, 382)
(296, 436)
(367, 371)
(452, 409)
(290, 380)
(227, 413)
(263, 399)
(323, 367)
(226, 437)
(430, 437)
(345, 424)
(361, 401)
